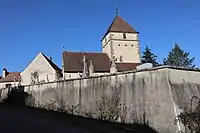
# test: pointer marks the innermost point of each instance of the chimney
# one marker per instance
(4, 73)
(50, 58)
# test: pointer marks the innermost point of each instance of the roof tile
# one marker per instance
(10, 77)
(101, 62)
(126, 66)
(120, 25)
(73, 61)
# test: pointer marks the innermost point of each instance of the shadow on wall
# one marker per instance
(16, 117)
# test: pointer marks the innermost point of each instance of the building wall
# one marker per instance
(160, 94)
(40, 65)
(128, 48)
(13, 84)
(4, 90)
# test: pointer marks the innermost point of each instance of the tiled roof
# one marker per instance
(10, 77)
(126, 66)
(101, 62)
(52, 64)
(73, 61)
(120, 25)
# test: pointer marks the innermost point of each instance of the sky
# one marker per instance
(28, 27)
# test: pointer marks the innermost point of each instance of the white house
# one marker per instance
(9, 79)
(40, 70)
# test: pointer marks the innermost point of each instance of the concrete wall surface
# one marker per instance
(159, 93)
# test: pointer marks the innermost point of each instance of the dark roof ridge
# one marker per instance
(51, 63)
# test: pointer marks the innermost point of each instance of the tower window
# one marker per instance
(121, 58)
(124, 35)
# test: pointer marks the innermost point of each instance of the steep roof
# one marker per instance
(72, 62)
(120, 25)
(52, 64)
(10, 77)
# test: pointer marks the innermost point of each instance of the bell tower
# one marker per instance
(121, 42)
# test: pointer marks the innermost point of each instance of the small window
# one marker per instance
(118, 44)
(124, 35)
(121, 58)
(125, 45)
(132, 45)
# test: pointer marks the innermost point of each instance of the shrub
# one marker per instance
(110, 108)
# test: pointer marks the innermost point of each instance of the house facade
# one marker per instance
(40, 70)
(9, 79)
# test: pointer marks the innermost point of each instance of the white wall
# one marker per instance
(40, 65)
(128, 48)
(76, 75)
(13, 84)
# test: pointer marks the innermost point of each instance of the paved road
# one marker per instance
(32, 120)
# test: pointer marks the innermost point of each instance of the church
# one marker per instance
(120, 52)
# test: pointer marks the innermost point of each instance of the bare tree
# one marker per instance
(110, 108)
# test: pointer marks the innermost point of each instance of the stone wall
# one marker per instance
(159, 93)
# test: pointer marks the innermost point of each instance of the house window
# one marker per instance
(118, 44)
(132, 45)
(8, 86)
(124, 35)
(125, 45)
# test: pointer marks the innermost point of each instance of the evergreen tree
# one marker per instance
(178, 57)
(149, 57)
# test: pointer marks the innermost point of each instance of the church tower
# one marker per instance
(121, 42)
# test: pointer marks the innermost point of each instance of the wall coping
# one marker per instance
(125, 72)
